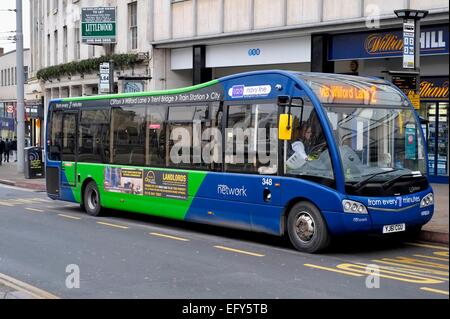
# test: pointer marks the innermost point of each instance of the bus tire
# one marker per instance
(91, 199)
(307, 229)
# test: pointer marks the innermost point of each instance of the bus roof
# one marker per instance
(313, 80)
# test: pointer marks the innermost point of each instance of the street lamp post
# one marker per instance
(20, 89)
(411, 39)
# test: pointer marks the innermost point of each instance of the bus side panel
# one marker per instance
(328, 201)
(67, 191)
(237, 200)
(152, 205)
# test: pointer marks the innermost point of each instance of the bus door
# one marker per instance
(68, 152)
(255, 190)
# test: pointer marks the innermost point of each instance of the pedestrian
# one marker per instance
(6, 150)
(14, 148)
(2, 149)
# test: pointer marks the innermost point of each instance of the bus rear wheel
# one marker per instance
(91, 199)
(307, 229)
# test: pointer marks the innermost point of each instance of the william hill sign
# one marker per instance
(367, 45)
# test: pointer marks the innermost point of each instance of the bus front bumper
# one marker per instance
(341, 223)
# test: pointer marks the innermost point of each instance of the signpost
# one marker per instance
(409, 81)
(408, 44)
(98, 25)
(106, 84)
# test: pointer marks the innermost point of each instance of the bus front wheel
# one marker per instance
(307, 229)
(91, 199)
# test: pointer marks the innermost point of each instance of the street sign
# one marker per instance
(105, 73)
(408, 44)
(10, 109)
(405, 82)
(98, 25)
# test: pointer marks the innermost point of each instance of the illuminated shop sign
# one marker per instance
(367, 45)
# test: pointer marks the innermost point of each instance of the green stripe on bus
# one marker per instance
(158, 206)
(139, 94)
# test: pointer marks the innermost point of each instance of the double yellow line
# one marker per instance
(33, 292)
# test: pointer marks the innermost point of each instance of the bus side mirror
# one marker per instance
(285, 127)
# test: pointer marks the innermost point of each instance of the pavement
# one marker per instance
(437, 230)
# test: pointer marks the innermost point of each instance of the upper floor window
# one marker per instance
(132, 25)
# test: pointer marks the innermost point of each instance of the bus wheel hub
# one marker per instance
(304, 226)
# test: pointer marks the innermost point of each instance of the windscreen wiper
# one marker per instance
(389, 183)
(360, 184)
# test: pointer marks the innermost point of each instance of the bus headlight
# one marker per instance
(353, 207)
(427, 200)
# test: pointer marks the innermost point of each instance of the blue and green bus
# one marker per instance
(308, 155)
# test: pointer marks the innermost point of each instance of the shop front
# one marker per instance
(7, 119)
(434, 107)
(230, 58)
(34, 118)
(378, 52)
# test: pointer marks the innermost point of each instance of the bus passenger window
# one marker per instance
(69, 137)
(252, 139)
(128, 135)
(185, 126)
(55, 136)
(93, 145)
(156, 139)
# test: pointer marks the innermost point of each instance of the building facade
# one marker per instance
(56, 41)
(187, 42)
(199, 40)
(8, 97)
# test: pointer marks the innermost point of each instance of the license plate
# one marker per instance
(393, 228)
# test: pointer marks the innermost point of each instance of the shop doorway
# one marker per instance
(437, 114)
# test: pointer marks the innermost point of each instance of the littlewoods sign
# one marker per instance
(98, 25)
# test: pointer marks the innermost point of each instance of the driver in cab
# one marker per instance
(299, 150)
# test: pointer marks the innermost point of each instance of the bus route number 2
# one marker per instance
(267, 182)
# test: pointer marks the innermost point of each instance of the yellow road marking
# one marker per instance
(240, 251)
(431, 257)
(427, 246)
(427, 270)
(441, 253)
(408, 271)
(416, 262)
(24, 287)
(388, 274)
(34, 209)
(442, 292)
(68, 216)
(333, 270)
(169, 236)
(113, 225)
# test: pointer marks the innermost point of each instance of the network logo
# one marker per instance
(254, 52)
